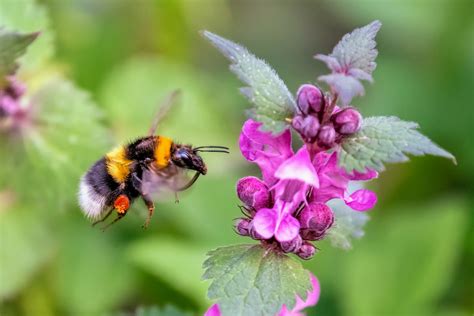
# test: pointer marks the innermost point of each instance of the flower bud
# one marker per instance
(253, 233)
(306, 251)
(347, 121)
(307, 127)
(15, 88)
(309, 99)
(253, 192)
(315, 220)
(242, 226)
(292, 245)
(327, 135)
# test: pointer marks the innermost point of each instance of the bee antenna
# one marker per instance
(209, 147)
(211, 151)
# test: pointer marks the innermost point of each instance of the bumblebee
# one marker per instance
(139, 169)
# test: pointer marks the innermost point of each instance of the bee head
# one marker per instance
(185, 157)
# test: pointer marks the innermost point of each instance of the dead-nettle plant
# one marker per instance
(286, 209)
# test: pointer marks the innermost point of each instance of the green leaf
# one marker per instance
(352, 60)
(64, 138)
(12, 46)
(176, 263)
(27, 244)
(385, 139)
(272, 101)
(406, 262)
(90, 274)
(252, 280)
(357, 49)
(348, 225)
(28, 17)
(168, 310)
(156, 311)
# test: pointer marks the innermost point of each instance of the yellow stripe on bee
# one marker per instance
(163, 151)
(118, 166)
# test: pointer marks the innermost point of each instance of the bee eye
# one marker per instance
(183, 154)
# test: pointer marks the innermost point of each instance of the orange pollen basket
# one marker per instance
(121, 204)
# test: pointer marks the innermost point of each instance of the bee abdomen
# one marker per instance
(96, 190)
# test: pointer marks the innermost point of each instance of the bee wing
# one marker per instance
(161, 183)
(163, 110)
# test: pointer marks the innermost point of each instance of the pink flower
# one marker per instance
(288, 206)
(334, 182)
(14, 113)
(264, 149)
(295, 176)
(311, 300)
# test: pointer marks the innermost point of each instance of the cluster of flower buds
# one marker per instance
(12, 114)
(314, 218)
(320, 121)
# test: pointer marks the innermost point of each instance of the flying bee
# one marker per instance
(139, 169)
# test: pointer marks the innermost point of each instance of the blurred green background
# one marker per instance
(417, 256)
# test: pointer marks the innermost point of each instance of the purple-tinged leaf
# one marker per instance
(352, 59)
(357, 49)
(346, 87)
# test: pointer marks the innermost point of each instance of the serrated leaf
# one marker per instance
(272, 100)
(352, 60)
(252, 280)
(384, 139)
(12, 46)
(357, 49)
(29, 16)
(348, 224)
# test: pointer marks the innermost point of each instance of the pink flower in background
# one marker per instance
(311, 300)
(14, 114)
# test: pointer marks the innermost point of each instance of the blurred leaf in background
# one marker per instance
(416, 256)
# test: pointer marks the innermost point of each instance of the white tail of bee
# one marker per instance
(92, 204)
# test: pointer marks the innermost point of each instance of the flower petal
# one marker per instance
(213, 311)
(298, 167)
(264, 149)
(287, 229)
(311, 300)
(265, 222)
(358, 176)
(313, 296)
(361, 200)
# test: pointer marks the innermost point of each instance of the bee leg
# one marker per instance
(119, 217)
(103, 218)
(151, 208)
(190, 183)
(176, 198)
(136, 182)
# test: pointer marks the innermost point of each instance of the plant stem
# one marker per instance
(328, 111)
